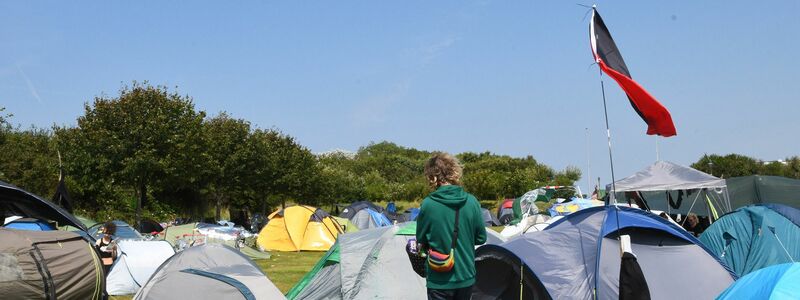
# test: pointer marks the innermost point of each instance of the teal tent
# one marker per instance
(777, 282)
(762, 189)
(755, 237)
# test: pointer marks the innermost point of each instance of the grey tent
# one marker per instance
(18, 202)
(48, 265)
(578, 257)
(763, 189)
(368, 264)
(488, 218)
(674, 189)
(210, 271)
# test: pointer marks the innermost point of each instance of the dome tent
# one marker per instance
(578, 257)
(137, 261)
(48, 265)
(360, 265)
(777, 282)
(210, 271)
(755, 236)
(299, 228)
(365, 214)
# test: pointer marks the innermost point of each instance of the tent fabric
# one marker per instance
(577, 257)
(664, 175)
(488, 218)
(149, 226)
(755, 189)
(368, 218)
(15, 201)
(778, 282)
(188, 235)
(369, 264)
(124, 231)
(350, 211)
(755, 237)
(29, 224)
(563, 209)
(136, 262)
(346, 225)
(48, 265)
(299, 228)
(205, 272)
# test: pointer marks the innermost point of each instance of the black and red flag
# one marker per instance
(606, 54)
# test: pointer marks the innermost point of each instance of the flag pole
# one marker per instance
(612, 196)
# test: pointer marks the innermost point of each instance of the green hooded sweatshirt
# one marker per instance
(435, 227)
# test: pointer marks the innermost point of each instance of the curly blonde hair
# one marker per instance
(443, 168)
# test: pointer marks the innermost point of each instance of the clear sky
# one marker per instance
(511, 77)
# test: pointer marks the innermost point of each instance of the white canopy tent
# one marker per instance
(665, 185)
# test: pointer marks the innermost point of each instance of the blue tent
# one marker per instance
(777, 282)
(29, 224)
(578, 257)
(755, 236)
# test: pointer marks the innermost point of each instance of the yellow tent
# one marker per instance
(299, 228)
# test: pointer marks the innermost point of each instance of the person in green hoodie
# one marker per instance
(436, 228)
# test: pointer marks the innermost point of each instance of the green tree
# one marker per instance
(29, 160)
(227, 157)
(145, 137)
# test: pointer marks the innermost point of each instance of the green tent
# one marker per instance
(754, 189)
(369, 264)
(755, 237)
(347, 226)
(84, 220)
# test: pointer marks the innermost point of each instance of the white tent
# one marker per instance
(665, 185)
(137, 261)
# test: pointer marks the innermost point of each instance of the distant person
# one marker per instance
(451, 263)
(693, 225)
(106, 246)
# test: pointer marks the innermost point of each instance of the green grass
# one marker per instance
(285, 269)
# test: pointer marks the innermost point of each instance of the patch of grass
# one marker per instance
(285, 269)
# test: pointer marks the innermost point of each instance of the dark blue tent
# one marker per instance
(777, 282)
(578, 257)
(755, 236)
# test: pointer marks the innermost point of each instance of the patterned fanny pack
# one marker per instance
(440, 262)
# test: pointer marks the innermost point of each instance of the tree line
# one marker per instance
(735, 165)
(149, 151)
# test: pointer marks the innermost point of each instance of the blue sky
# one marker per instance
(511, 77)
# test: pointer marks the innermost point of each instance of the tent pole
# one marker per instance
(613, 195)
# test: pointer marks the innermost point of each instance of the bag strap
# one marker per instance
(455, 232)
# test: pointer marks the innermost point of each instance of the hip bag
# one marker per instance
(441, 262)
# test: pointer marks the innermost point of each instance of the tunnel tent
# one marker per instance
(675, 189)
(578, 257)
(48, 265)
(136, 262)
(209, 271)
(755, 237)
